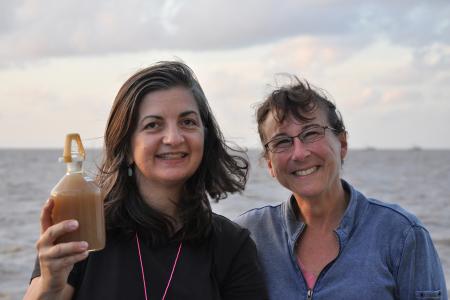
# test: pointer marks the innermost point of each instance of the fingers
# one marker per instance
(52, 233)
(46, 243)
(63, 255)
(55, 270)
(56, 258)
(68, 261)
(66, 249)
(66, 252)
(46, 215)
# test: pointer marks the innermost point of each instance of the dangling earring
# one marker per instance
(130, 171)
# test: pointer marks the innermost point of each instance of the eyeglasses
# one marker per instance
(310, 135)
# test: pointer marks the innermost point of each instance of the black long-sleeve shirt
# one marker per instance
(224, 266)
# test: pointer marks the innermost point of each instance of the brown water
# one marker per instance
(76, 198)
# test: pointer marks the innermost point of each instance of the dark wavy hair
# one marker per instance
(222, 170)
(298, 100)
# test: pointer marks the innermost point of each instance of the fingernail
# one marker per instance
(73, 224)
(83, 245)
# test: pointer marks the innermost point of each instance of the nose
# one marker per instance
(299, 150)
(173, 136)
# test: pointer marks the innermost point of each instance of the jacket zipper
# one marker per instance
(309, 294)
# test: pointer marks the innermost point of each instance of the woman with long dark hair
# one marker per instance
(164, 159)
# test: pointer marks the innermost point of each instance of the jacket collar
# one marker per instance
(294, 226)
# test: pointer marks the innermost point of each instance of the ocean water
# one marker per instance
(418, 180)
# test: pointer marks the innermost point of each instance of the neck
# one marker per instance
(324, 212)
(161, 197)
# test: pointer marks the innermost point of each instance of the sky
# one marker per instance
(385, 64)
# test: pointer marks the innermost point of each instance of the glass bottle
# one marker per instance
(76, 196)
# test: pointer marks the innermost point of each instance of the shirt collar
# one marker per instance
(294, 225)
(350, 218)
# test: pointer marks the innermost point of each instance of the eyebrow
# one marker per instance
(189, 112)
(283, 135)
(158, 117)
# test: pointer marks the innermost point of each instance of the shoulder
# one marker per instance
(226, 230)
(374, 210)
(394, 213)
(404, 227)
(229, 238)
(259, 216)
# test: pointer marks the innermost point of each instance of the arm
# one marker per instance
(36, 290)
(55, 260)
(420, 272)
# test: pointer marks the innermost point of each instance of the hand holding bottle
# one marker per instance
(55, 260)
(72, 223)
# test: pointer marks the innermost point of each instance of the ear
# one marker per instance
(269, 165)
(344, 145)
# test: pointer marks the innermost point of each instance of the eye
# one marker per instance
(189, 123)
(152, 125)
(311, 134)
(282, 142)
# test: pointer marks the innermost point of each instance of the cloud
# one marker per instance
(379, 60)
(434, 59)
(305, 56)
(32, 29)
(423, 78)
(411, 23)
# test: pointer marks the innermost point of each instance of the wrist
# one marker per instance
(48, 293)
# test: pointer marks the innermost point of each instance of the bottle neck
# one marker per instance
(75, 167)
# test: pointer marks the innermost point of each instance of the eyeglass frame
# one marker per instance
(299, 136)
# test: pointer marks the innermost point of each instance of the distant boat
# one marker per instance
(415, 148)
(370, 148)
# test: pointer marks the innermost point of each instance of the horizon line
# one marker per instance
(367, 148)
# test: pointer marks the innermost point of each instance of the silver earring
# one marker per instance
(130, 171)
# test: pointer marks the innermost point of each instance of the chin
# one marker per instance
(308, 193)
(176, 178)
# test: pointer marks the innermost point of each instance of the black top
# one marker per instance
(224, 266)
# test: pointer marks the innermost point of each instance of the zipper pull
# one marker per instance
(309, 294)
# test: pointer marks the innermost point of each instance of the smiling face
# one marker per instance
(308, 170)
(167, 144)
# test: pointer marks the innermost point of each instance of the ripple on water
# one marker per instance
(10, 249)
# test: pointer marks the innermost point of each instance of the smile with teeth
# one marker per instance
(305, 172)
(173, 155)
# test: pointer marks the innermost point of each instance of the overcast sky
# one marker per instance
(386, 64)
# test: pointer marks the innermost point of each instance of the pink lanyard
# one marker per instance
(142, 268)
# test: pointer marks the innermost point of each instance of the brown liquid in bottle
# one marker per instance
(77, 197)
